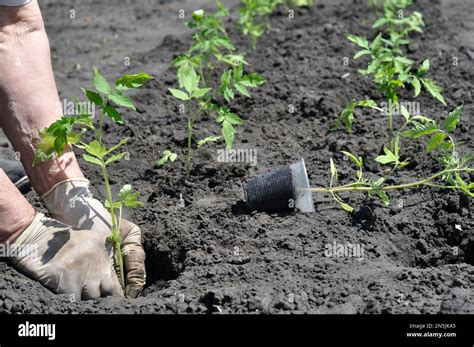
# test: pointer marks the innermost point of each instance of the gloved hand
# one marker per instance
(72, 203)
(65, 260)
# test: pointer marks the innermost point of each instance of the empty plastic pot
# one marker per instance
(285, 189)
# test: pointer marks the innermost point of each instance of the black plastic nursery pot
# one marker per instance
(283, 190)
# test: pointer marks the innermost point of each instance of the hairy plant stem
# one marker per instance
(390, 128)
(101, 123)
(117, 240)
(203, 77)
(356, 186)
(191, 121)
(189, 155)
(115, 228)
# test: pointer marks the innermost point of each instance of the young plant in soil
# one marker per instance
(166, 157)
(254, 15)
(211, 53)
(69, 131)
(454, 175)
(390, 69)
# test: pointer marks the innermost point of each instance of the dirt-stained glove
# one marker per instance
(72, 203)
(65, 260)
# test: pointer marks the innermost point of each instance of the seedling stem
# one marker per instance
(356, 186)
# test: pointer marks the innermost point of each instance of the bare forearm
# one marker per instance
(28, 93)
(15, 211)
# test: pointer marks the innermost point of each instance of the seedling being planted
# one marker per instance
(69, 131)
(454, 175)
(211, 51)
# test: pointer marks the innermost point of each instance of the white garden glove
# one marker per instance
(65, 260)
(72, 203)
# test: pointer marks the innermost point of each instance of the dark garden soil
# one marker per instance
(214, 256)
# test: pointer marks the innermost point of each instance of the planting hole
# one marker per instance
(162, 264)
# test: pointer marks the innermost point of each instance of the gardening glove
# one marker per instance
(72, 203)
(65, 260)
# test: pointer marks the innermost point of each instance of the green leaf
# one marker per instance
(346, 207)
(383, 196)
(397, 147)
(100, 83)
(388, 158)
(347, 116)
(453, 119)
(116, 205)
(333, 168)
(357, 161)
(207, 140)
(200, 92)
(93, 97)
(188, 78)
(115, 157)
(423, 119)
(226, 78)
(435, 90)
(58, 135)
(425, 66)
(228, 94)
(368, 103)
(378, 183)
(85, 119)
(416, 85)
(128, 198)
(96, 149)
(238, 72)
(121, 100)
(173, 157)
(117, 146)
(405, 113)
(45, 149)
(179, 94)
(379, 22)
(228, 133)
(233, 119)
(358, 40)
(252, 80)
(435, 141)
(92, 159)
(419, 130)
(132, 81)
(235, 59)
(166, 157)
(113, 114)
(404, 61)
(361, 53)
(242, 89)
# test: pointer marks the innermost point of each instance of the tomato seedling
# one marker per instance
(390, 69)
(441, 142)
(69, 131)
(212, 50)
(254, 15)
